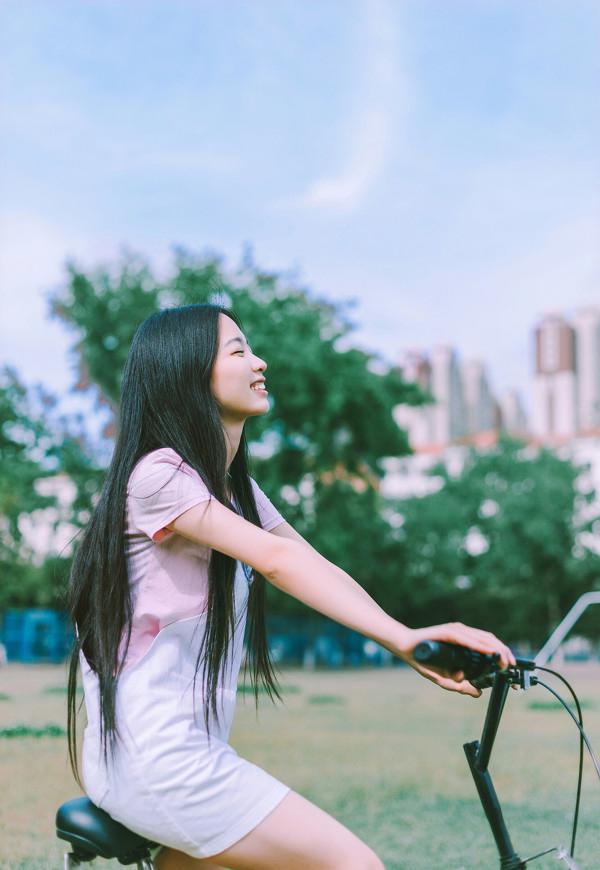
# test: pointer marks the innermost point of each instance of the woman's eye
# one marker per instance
(238, 351)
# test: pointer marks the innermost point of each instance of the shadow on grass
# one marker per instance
(60, 690)
(18, 731)
(245, 689)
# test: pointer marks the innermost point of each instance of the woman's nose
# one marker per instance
(261, 364)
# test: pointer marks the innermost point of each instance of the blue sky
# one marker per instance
(437, 160)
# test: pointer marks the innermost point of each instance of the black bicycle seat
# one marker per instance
(93, 833)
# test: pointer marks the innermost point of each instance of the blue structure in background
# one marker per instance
(36, 635)
(322, 643)
(40, 635)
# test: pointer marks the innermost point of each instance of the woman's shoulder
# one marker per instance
(258, 491)
(268, 514)
(161, 456)
(154, 466)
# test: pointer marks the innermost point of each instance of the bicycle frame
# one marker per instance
(478, 754)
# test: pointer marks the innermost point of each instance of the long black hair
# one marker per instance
(166, 401)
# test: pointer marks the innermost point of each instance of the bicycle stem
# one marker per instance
(478, 756)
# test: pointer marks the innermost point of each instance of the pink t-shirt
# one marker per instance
(168, 574)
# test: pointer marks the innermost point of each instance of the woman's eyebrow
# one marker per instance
(241, 341)
(237, 338)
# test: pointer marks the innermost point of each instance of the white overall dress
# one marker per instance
(167, 782)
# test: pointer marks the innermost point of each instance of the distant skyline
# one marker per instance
(438, 161)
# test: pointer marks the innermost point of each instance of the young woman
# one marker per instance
(172, 562)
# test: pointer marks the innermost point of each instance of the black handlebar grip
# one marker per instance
(453, 658)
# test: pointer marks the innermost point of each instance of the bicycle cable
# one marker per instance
(580, 770)
(593, 756)
(582, 734)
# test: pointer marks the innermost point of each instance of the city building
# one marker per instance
(463, 408)
(555, 394)
(587, 366)
(419, 422)
(447, 390)
(480, 405)
(513, 419)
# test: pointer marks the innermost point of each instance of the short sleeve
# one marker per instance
(161, 487)
(267, 512)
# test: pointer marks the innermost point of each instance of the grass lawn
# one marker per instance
(381, 750)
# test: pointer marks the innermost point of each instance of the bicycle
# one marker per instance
(92, 833)
(484, 672)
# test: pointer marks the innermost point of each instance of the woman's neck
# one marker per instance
(233, 436)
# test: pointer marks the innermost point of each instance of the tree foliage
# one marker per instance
(33, 450)
(500, 544)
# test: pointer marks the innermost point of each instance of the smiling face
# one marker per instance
(234, 371)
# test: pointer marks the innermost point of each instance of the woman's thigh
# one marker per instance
(172, 859)
(298, 835)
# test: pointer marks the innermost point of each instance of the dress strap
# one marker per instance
(248, 569)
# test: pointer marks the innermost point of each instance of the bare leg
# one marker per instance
(298, 835)
(171, 859)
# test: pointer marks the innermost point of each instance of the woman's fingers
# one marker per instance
(483, 641)
(464, 688)
(496, 645)
(474, 638)
(456, 683)
(463, 635)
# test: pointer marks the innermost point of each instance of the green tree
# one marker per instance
(22, 440)
(31, 451)
(499, 544)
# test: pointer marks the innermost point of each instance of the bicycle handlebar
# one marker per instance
(452, 657)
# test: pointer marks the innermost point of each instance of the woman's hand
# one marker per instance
(451, 632)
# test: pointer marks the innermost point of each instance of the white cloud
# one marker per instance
(347, 189)
(382, 92)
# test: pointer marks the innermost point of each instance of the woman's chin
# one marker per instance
(256, 412)
(266, 407)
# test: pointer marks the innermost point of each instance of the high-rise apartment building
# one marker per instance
(464, 408)
(587, 357)
(479, 401)
(447, 389)
(416, 368)
(419, 421)
(512, 415)
(554, 407)
(446, 419)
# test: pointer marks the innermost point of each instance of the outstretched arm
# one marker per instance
(407, 638)
(293, 566)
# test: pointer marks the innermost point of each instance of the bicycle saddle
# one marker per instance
(93, 833)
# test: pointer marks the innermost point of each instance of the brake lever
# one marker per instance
(517, 676)
(485, 681)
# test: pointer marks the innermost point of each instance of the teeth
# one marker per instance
(257, 387)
